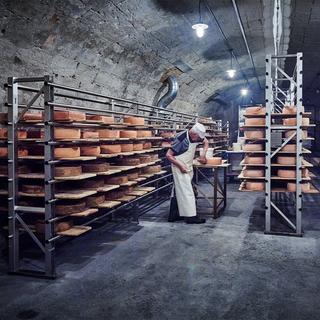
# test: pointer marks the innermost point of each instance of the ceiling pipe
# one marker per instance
(236, 9)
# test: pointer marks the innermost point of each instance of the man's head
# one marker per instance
(197, 132)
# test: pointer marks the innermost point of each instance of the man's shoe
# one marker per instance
(195, 220)
(175, 218)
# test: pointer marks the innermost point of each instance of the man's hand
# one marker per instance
(183, 168)
(202, 159)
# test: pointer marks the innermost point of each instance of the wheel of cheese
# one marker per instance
(115, 194)
(128, 134)
(214, 161)
(254, 121)
(255, 186)
(144, 134)
(59, 226)
(145, 158)
(126, 147)
(117, 180)
(133, 175)
(254, 160)
(99, 118)
(3, 152)
(3, 133)
(147, 145)
(151, 169)
(256, 134)
(291, 110)
(23, 169)
(95, 167)
(67, 133)
(154, 156)
(134, 120)
(167, 135)
(289, 133)
(253, 173)
(89, 134)
(35, 134)
(67, 171)
(131, 161)
(32, 189)
(286, 160)
(305, 187)
(3, 117)
(92, 151)
(67, 208)
(252, 147)
(95, 200)
(61, 115)
(127, 190)
(93, 183)
(289, 148)
(22, 134)
(293, 121)
(109, 134)
(3, 169)
(33, 116)
(283, 173)
(64, 152)
(137, 146)
(22, 152)
(256, 110)
(111, 148)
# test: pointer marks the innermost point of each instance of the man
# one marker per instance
(181, 155)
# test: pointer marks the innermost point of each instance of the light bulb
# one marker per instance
(200, 27)
(244, 91)
(231, 73)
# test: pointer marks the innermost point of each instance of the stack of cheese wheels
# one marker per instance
(116, 180)
(133, 120)
(293, 121)
(291, 110)
(65, 152)
(95, 167)
(147, 145)
(289, 148)
(145, 158)
(64, 115)
(131, 134)
(253, 173)
(33, 116)
(111, 148)
(95, 183)
(254, 160)
(254, 121)
(289, 133)
(291, 174)
(254, 186)
(114, 195)
(144, 134)
(67, 171)
(130, 161)
(133, 175)
(126, 147)
(249, 147)
(95, 200)
(137, 146)
(58, 227)
(67, 133)
(66, 207)
(89, 134)
(32, 189)
(151, 169)
(214, 161)
(109, 134)
(92, 151)
(305, 187)
(286, 160)
(99, 118)
(254, 134)
(35, 134)
(257, 110)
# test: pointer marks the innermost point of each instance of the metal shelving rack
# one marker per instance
(276, 98)
(46, 95)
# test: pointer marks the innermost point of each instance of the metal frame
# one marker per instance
(277, 97)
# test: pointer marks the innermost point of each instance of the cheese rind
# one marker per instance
(126, 147)
(110, 148)
(131, 134)
(67, 171)
(93, 151)
(67, 133)
(64, 152)
(134, 120)
(95, 167)
(109, 134)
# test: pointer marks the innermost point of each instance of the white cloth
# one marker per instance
(183, 183)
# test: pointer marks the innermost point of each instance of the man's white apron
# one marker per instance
(182, 183)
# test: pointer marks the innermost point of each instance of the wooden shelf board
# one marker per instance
(149, 189)
(128, 184)
(75, 231)
(126, 198)
(84, 213)
(257, 126)
(109, 172)
(75, 178)
(3, 192)
(288, 179)
(312, 190)
(75, 194)
(108, 204)
(108, 187)
(137, 193)
(241, 176)
(282, 115)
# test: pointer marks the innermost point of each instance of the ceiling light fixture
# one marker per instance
(231, 72)
(200, 27)
(244, 91)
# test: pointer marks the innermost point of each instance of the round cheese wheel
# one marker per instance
(252, 147)
(293, 121)
(305, 187)
(109, 134)
(254, 160)
(93, 183)
(93, 151)
(137, 146)
(283, 173)
(21, 152)
(64, 115)
(147, 145)
(24, 169)
(256, 110)
(129, 161)
(32, 189)
(128, 134)
(22, 134)
(67, 152)
(291, 110)
(59, 226)
(144, 134)
(126, 147)
(111, 148)
(286, 160)
(127, 190)
(114, 194)
(33, 116)
(94, 200)
(256, 134)
(3, 169)
(67, 133)
(3, 152)
(133, 175)
(253, 173)
(3, 133)
(95, 167)
(167, 134)
(289, 148)
(99, 118)
(255, 186)
(134, 120)
(67, 208)
(289, 133)
(117, 180)
(254, 121)
(152, 169)
(154, 156)
(90, 134)
(67, 171)
(214, 161)
(145, 158)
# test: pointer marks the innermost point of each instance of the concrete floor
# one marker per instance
(225, 269)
